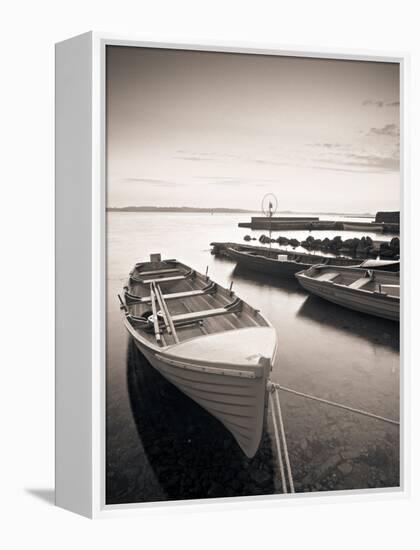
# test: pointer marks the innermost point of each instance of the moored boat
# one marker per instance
(360, 226)
(209, 343)
(286, 264)
(368, 291)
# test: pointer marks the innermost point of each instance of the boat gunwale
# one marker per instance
(165, 350)
(154, 347)
(250, 373)
(193, 273)
(303, 255)
(245, 250)
(373, 293)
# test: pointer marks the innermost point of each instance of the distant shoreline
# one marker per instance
(181, 209)
(192, 210)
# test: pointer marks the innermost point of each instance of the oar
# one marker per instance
(166, 313)
(155, 317)
(163, 310)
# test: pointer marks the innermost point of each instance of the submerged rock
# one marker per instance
(345, 468)
(261, 477)
(304, 444)
(216, 490)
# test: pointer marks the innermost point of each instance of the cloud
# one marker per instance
(222, 180)
(363, 162)
(373, 103)
(236, 180)
(391, 130)
(205, 156)
(383, 162)
(200, 159)
(345, 169)
(328, 145)
(152, 181)
(268, 162)
(367, 156)
(363, 158)
(379, 103)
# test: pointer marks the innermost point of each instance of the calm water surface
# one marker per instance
(158, 442)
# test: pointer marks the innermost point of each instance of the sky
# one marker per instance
(206, 129)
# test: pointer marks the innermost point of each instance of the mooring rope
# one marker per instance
(286, 452)
(276, 435)
(339, 405)
(279, 427)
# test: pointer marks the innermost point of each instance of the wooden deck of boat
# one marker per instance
(373, 292)
(349, 276)
(232, 347)
(190, 304)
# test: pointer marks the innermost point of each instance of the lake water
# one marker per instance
(162, 446)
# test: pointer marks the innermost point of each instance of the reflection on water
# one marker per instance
(381, 332)
(160, 445)
(190, 452)
(285, 285)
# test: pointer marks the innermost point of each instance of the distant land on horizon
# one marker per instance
(218, 210)
(178, 209)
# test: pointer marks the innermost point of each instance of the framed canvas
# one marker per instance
(230, 239)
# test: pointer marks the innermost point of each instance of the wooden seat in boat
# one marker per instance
(391, 290)
(163, 279)
(176, 295)
(159, 271)
(329, 276)
(385, 286)
(360, 283)
(198, 315)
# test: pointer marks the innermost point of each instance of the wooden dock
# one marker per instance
(314, 224)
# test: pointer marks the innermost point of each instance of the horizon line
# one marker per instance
(233, 209)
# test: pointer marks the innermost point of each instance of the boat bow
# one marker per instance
(230, 383)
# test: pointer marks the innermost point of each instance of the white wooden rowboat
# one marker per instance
(209, 343)
(365, 290)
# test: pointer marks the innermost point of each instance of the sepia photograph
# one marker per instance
(252, 274)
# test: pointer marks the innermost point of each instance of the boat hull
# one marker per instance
(357, 226)
(210, 344)
(266, 265)
(370, 303)
(288, 268)
(239, 403)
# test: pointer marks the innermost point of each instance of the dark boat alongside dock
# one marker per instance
(286, 264)
(350, 248)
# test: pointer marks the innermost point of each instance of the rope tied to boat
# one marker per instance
(279, 431)
(339, 405)
(280, 439)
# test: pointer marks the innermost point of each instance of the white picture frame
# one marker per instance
(80, 274)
